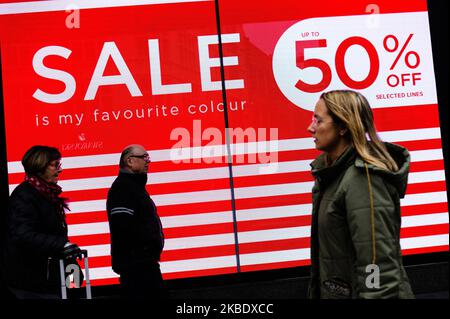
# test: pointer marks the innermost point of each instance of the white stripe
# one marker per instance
(192, 197)
(198, 264)
(424, 241)
(424, 220)
(197, 219)
(86, 183)
(410, 135)
(88, 229)
(273, 190)
(237, 149)
(426, 155)
(281, 167)
(199, 241)
(273, 212)
(87, 206)
(424, 198)
(274, 234)
(61, 5)
(98, 250)
(425, 177)
(274, 256)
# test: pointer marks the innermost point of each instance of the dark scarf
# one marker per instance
(51, 192)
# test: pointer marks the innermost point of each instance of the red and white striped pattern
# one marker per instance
(273, 203)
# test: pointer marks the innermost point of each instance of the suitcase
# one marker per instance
(62, 272)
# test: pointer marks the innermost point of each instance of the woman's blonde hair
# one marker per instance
(352, 110)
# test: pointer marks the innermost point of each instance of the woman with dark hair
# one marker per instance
(359, 180)
(36, 228)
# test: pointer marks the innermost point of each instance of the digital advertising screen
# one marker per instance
(230, 153)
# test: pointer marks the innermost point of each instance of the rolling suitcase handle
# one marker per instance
(62, 272)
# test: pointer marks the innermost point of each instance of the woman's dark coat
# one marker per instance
(35, 232)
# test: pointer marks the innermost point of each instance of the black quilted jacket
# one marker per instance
(35, 232)
(136, 232)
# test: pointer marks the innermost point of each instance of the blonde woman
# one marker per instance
(359, 180)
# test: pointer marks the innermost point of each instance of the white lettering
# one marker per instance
(206, 62)
(46, 72)
(155, 73)
(110, 50)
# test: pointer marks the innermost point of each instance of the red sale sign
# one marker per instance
(230, 160)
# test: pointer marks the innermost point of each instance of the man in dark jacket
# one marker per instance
(137, 239)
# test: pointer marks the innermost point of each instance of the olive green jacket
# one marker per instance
(355, 234)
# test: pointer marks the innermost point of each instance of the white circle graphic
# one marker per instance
(285, 69)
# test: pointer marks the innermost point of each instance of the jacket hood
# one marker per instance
(398, 179)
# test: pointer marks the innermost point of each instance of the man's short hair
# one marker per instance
(125, 155)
